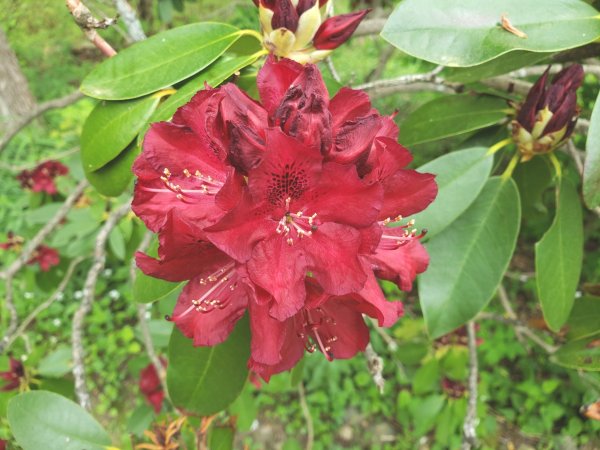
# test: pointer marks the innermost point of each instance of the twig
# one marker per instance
(390, 342)
(9, 339)
(470, 425)
(428, 77)
(131, 21)
(375, 365)
(310, 430)
(89, 288)
(370, 26)
(12, 311)
(40, 109)
(143, 323)
(34, 243)
(387, 53)
(89, 25)
(333, 70)
(55, 156)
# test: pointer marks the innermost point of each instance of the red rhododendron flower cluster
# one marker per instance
(41, 179)
(13, 376)
(150, 386)
(43, 255)
(282, 209)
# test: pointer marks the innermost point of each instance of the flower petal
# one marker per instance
(407, 192)
(274, 79)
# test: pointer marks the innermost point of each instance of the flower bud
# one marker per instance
(295, 29)
(548, 116)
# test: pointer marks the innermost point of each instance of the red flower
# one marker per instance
(453, 389)
(13, 376)
(150, 386)
(296, 30)
(281, 208)
(13, 242)
(46, 257)
(41, 179)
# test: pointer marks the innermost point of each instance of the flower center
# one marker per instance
(198, 185)
(216, 294)
(314, 334)
(394, 238)
(296, 225)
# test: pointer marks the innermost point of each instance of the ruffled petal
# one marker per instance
(274, 79)
(348, 104)
(407, 192)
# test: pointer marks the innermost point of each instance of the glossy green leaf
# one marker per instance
(580, 354)
(468, 260)
(558, 258)
(497, 66)
(450, 116)
(591, 170)
(584, 320)
(110, 127)
(205, 380)
(44, 420)
(533, 179)
(460, 176)
(112, 179)
(159, 61)
(220, 438)
(461, 33)
(56, 364)
(148, 289)
(222, 69)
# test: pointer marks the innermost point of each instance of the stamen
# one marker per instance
(302, 224)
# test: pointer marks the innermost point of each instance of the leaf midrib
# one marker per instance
(204, 373)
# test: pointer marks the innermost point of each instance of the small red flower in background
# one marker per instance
(151, 387)
(41, 178)
(46, 257)
(14, 242)
(453, 389)
(285, 208)
(14, 376)
(458, 337)
(3, 444)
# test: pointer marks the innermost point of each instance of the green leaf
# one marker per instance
(148, 289)
(461, 33)
(110, 127)
(220, 438)
(159, 61)
(450, 116)
(44, 420)
(218, 72)
(580, 354)
(460, 176)
(205, 380)
(591, 170)
(56, 364)
(583, 321)
(112, 179)
(468, 260)
(533, 178)
(116, 242)
(559, 256)
(497, 66)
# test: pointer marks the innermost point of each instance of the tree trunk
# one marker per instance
(15, 97)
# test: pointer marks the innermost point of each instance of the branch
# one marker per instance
(369, 27)
(89, 288)
(131, 21)
(375, 365)
(40, 109)
(310, 431)
(143, 323)
(410, 83)
(89, 25)
(470, 425)
(8, 339)
(34, 243)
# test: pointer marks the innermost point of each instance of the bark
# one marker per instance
(16, 99)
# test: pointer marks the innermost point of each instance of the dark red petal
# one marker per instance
(385, 158)
(535, 97)
(354, 139)
(274, 79)
(348, 104)
(284, 15)
(156, 399)
(563, 113)
(304, 5)
(268, 335)
(401, 265)
(570, 77)
(336, 30)
(280, 269)
(149, 381)
(213, 326)
(332, 256)
(343, 197)
(406, 193)
(348, 327)
(304, 112)
(289, 168)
